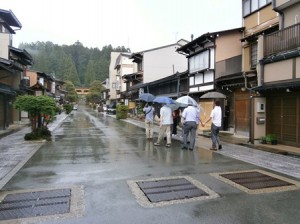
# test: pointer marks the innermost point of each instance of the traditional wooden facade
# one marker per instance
(214, 64)
(278, 72)
(13, 62)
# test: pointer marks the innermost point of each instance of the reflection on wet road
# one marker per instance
(90, 143)
(100, 153)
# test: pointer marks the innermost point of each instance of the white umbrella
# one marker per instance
(175, 105)
(187, 100)
(213, 95)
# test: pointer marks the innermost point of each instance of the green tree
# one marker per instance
(91, 73)
(69, 71)
(38, 107)
(72, 95)
(95, 93)
(71, 62)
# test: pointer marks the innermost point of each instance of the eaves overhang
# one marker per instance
(203, 39)
(7, 90)
(289, 86)
(6, 64)
(9, 18)
(137, 57)
(254, 36)
(281, 56)
(25, 57)
(170, 78)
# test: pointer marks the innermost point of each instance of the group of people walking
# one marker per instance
(190, 119)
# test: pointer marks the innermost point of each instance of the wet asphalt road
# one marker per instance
(101, 154)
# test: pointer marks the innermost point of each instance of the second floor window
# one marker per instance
(253, 55)
(199, 62)
(250, 6)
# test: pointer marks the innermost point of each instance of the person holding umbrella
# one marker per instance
(149, 116)
(190, 120)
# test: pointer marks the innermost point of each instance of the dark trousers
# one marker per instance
(189, 127)
(174, 126)
(215, 135)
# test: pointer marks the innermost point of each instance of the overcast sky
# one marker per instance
(137, 24)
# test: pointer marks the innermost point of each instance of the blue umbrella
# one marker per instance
(164, 99)
(148, 97)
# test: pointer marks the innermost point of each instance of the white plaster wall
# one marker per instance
(163, 62)
(112, 74)
(4, 43)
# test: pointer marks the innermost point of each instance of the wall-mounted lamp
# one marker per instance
(288, 90)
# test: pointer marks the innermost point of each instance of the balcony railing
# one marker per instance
(284, 40)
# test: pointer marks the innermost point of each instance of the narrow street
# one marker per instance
(98, 157)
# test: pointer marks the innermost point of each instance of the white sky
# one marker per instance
(137, 24)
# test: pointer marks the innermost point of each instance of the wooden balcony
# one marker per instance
(284, 40)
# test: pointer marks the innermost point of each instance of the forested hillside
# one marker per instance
(75, 63)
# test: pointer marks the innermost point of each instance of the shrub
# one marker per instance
(68, 108)
(139, 109)
(122, 112)
(271, 138)
(38, 134)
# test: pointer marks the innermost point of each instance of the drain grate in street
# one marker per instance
(257, 181)
(33, 204)
(164, 191)
(173, 189)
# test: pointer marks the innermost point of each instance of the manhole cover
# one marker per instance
(257, 181)
(157, 192)
(32, 204)
(173, 189)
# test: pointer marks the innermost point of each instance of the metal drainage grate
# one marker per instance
(170, 189)
(255, 180)
(32, 204)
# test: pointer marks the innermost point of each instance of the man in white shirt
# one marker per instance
(216, 123)
(190, 120)
(166, 119)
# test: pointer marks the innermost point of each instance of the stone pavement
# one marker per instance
(264, 156)
(15, 152)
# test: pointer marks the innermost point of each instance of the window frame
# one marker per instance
(250, 6)
(253, 55)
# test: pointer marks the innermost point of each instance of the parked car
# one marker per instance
(112, 108)
(104, 108)
(75, 107)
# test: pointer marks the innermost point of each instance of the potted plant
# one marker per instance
(272, 139)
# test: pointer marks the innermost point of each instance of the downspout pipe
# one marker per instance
(250, 107)
(262, 72)
(275, 8)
